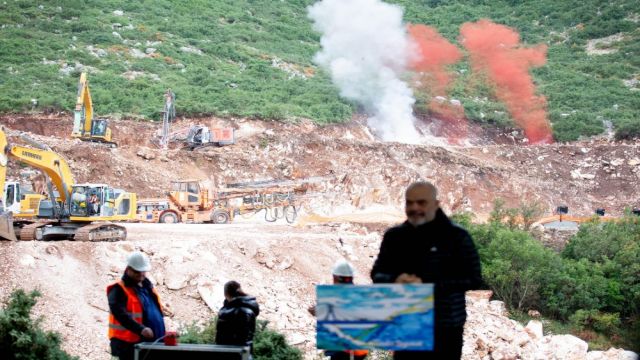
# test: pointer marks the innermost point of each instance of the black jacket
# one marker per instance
(438, 252)
(237, 321)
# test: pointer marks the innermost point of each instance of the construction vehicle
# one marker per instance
(168, 115)
(85, 127)
(189, 202)
(201, 136)
(22, 203)
(83, 211)
(562, 220)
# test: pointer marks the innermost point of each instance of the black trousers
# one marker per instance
(122, 349)
(447, 346)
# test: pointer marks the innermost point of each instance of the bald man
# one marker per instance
(429, 248)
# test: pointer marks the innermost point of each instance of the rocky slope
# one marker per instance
(354, 191)
(357, 172)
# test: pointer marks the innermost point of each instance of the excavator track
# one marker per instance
(101, 232)
(28, 232)
(110, 144)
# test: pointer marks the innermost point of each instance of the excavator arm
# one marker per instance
(52, 164)
(83, 115)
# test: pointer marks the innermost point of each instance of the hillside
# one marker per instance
(511, 108)
(255, 59)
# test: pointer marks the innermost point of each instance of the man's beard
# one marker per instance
(416, 221)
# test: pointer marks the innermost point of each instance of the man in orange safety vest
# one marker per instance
(135, 311)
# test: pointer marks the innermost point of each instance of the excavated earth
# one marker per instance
(353, 187)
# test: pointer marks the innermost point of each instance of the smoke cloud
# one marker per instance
(433, 53)
(365, 48)
(496, 50)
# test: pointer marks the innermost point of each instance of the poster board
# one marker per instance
(379, 316)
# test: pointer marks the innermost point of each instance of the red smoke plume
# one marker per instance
(495, 49)
(433, 54)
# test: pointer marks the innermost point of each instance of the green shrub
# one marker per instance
(521, 217)
(606, 323)
(267, 343)
(592, 286)
(271, 345)
(627, 129)
(514, 265)
(21, 337)
(199, 334)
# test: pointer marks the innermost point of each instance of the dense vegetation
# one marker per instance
(592, 287)
(256, 58)
(21, 337)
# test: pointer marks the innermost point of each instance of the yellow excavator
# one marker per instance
(81, 212)
(85, 127)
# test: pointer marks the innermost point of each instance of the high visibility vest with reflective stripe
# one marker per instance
(134, 309)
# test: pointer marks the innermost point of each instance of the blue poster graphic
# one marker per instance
(380, 316)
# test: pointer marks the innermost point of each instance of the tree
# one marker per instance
(21, 337)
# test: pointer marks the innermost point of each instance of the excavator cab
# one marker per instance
(7, 231)
(100, 128)
(21, 201)
(198, 135)
(92, 200)
(12, 196)
(187, 193)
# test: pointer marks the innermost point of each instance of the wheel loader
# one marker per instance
(189, 202)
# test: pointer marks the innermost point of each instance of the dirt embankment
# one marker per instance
(357, 172)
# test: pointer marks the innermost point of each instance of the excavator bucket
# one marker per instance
(6, 227)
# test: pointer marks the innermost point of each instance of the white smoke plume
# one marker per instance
(365, 47)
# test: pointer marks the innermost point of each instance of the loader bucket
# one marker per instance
(6, 227)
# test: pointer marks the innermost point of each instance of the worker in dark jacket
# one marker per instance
(135, 311)
(428, 248)
(237, 318)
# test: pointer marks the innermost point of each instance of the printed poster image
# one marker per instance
(380, 316)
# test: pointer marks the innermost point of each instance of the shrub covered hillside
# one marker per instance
(591, 289)
(254, 58)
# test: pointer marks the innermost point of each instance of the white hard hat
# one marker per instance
(343, 268)
(138, 261)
